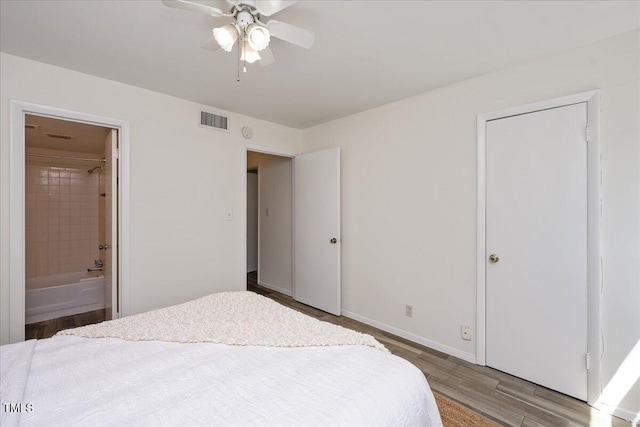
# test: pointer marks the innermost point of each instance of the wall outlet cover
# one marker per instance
(466, 333)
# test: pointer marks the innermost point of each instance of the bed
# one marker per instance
(233, 358)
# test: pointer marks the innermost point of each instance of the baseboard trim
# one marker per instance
(619, 412)
(275, 288)
(468, 357)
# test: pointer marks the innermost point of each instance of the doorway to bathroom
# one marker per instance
(70, 176)
(115, 252)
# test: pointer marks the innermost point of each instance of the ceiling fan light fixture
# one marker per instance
(249, 54)
(258, 37)
(247, 30)
(226, 36)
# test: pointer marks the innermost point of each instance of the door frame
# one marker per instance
(594, 278)
(17, 111)
(274, 152)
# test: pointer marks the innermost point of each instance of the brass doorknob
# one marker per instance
(494, 258)
(333, 240)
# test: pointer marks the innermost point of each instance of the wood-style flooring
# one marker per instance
(49, 328)
(508, 400)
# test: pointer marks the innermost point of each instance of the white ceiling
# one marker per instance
(84, 138)
(366, 53)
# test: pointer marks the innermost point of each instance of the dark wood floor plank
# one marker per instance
(563, 399)
(471, 375)
(530, 423)
(544, 404)
(432, 372)
(500, 376)
(438, 361)
(532, 412)
(48, 328)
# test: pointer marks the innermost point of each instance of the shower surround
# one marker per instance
(62, 219)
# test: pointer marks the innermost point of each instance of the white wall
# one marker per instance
(183, 177)
(409, 197)
(276, 246)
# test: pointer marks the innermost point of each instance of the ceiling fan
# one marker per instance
(247, 30)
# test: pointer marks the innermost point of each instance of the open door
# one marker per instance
(110, 246)
(317, 229)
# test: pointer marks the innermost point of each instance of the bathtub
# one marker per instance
(56, 296)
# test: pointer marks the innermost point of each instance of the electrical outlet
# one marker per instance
(409, 311)
(466, 333)
(228, 215)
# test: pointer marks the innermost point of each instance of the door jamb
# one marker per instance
(17, 112)
(594, 278)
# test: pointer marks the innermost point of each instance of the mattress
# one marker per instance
(72, 380)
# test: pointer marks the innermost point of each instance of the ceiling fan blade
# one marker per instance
(291, 33)
(193, 7)
(210, 44)
(269, 7)
(267, 57)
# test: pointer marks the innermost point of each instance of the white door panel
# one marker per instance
(536, 223)
(316, 223)
(111, 229)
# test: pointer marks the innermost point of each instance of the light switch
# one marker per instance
(228, 215)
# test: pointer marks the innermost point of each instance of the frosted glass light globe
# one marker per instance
(226, 36)
(249, 54)
(258, 37)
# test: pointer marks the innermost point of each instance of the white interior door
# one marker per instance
(536, 224)
(317, 229)
(111, 230)
(252, 221)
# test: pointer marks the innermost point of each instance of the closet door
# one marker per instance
(536, 245)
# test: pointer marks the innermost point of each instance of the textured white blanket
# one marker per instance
(73, 381)
(232, 318)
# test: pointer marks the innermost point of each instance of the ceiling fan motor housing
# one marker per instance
(244, 18)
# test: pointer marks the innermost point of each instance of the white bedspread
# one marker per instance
(72, 381)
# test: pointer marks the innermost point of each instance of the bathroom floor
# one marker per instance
(49, 328)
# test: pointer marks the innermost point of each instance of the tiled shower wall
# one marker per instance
(61, 219)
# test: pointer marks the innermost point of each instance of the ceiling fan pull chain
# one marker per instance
(238, 76)
(244, 53)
